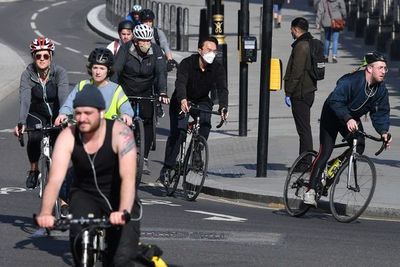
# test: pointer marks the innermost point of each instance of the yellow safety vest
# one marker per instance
(116, 102)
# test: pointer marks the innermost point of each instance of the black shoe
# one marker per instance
(165, 176)
(32, 179)
(160, 111)
(334, 60)
(64, 210)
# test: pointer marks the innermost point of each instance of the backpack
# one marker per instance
(317, 59)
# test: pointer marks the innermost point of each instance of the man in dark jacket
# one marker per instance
(197, 75)
(139, 66)
(299, 86)
(355, 95)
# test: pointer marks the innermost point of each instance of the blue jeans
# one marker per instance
(334, 35)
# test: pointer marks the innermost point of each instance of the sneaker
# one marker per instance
(326, 60)
(32, 179)
(334, 60)
(160, 111)
(309, 197)
(64, 210)
(146, 169)
(165, 176)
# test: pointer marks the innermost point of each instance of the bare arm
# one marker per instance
(60, 160)
(126, 148)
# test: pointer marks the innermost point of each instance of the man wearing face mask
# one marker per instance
(141, 71)
(197, 75)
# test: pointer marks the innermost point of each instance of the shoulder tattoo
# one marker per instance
(128, 142)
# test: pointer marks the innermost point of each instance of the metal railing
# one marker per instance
(172, 19)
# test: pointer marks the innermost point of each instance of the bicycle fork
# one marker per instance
(352, 166)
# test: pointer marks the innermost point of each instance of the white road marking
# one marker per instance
(72, 50)
(59, 3)
(218, 216)
(77, 72)
(38, 33)
(34, 16)
(86, 56)
(56, 43)
(33, 25)
(149, 202)
(43, 9)
(7, 131)
(6, 190)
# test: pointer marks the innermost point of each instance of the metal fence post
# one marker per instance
(159, 16)
(179, 21)
(185, 32)
(173, 26)
(166, 22)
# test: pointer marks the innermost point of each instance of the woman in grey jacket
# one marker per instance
(328, 10)
(43, 88)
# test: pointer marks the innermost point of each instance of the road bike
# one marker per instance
(351, 179)
(192, 160)
(139, 129)
(48, 133)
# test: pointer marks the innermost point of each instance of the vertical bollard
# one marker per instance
(394, 52)
(148, 4)
(179, 28)
(154, 8)
(260, 33)
(185, 33)
(172, 23)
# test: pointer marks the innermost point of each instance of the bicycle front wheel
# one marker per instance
(195, 167)
(139, 139)
(350, 197)
(44, 174)
(172, 183)
(296, 184)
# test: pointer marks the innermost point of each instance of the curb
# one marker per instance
(95, 24)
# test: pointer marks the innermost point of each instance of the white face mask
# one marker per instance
(144, 47)
(208, 57)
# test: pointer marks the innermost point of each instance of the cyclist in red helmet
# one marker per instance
(43, 87)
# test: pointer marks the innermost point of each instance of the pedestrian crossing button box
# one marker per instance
(249, 49)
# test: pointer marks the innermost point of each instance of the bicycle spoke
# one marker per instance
(346, 203)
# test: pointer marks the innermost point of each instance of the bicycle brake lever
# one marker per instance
(21, 135)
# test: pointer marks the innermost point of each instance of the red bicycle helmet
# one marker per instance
(42, 43)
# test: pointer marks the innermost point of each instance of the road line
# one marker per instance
(34, 16)
(33, 25)
(56, 43)
(77, 72)
(72, 50)
(7, 131)
(38, 33)
(86, 56)
(59, 3)
(43, 9)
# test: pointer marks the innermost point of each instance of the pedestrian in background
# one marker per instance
(299, 86)
(277, 8)
(328, 10)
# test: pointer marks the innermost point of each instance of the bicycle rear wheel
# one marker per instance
(139, 139)
(296, 184)
(195, 167)
(349, 200)
(44, 166)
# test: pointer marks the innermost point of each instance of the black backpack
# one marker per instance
(156, 36)
(317, 71)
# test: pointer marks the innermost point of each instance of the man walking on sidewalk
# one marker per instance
(300, 87)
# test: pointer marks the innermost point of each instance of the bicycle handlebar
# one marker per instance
(65, 223)
(224, 111)
(147, 98)
(374, 138)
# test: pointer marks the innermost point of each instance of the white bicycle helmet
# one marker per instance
(143, 32)
(42, 43)
(136, 8)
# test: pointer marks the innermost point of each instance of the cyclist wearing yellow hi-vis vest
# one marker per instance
(99, 67)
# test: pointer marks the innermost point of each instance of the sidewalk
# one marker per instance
(233, 160)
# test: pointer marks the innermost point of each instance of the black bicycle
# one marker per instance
(192, 160)
(351, 178)
(48, 133)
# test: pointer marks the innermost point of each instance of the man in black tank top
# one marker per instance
(103, 154)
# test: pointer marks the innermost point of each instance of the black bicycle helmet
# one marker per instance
(147, 14)
(101, 56)
(373, 56)
(125, 24)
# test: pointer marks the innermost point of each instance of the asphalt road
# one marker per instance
(208, 232)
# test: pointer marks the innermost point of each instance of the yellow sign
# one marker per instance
(275, 75)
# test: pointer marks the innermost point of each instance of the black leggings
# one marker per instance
(122, 242)
(330, 126)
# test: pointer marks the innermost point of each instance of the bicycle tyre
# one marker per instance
(140, 143)
(194, 176)
(299, 181)
(155, 121)
(175, 173)
(43, 176)
(343, 201)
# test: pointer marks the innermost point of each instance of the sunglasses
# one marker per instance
(40, 56)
